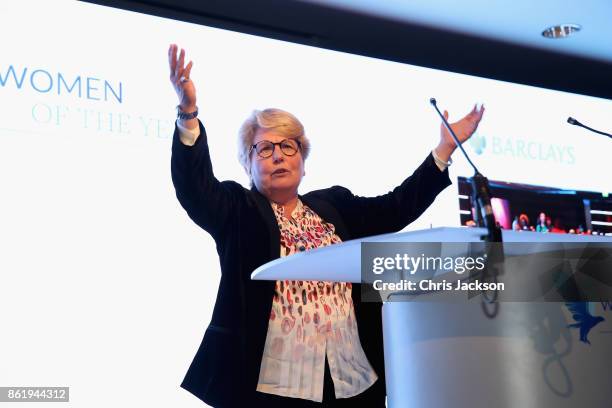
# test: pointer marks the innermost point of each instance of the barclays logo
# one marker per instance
(525, 149)
(478, 143)
(582, 313)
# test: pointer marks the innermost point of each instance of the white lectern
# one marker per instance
(451, 355)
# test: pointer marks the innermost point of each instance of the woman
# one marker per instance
(524, 223)
(287, 343)
(542, 225)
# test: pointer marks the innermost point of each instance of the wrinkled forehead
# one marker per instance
(268, 134)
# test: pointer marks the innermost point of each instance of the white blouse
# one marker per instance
(310, 320)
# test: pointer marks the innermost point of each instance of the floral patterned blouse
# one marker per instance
(309, 321)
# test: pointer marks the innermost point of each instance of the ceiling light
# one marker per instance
(561, 30)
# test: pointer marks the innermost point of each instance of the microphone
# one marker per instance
(481, 199)
(481, 191)
(574, 122)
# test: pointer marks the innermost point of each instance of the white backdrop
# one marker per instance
(105, 285)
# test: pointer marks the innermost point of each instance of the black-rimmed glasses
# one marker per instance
(265, 148)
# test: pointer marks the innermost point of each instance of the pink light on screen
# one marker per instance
(501, 211)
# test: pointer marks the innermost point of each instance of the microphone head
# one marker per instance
(572, 121)
(433, 101)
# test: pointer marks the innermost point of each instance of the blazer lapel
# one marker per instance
(265, 209)
(328, 213)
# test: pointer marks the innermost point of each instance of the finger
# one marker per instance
(187, 72)
(473, 113)
(180, 65)
(480, 112)
(446, 114)
(172, 58)
(175, 66)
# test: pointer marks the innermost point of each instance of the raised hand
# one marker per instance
(464, 129)
(180, 78)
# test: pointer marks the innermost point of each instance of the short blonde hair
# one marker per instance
(278, 120)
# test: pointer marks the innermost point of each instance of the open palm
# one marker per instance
(179, 76)
(463, 128)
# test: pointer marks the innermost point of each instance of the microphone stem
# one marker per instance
(573, 121)
(480, 189)
(597, 131)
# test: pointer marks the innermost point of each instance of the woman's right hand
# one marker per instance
(180, 78)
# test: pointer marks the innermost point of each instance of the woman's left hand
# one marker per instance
(464, 128)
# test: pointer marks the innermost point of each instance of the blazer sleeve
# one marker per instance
(208, 202)
(391, 212)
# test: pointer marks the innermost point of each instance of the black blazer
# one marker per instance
(225, 369)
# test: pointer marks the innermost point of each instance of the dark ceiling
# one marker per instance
(319, 26)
